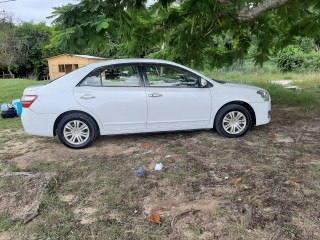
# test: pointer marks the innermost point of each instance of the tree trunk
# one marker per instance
(9, 70)
(250, 12)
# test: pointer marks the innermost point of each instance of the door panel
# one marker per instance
(175, 99)
(118, 108)
(178, 108)
(115, 95)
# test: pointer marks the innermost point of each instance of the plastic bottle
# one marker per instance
(158, 167)
(140, 171)
(4, 107)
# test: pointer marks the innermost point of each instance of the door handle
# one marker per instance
(155, 95)
(87, 96)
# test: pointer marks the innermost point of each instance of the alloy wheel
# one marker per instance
(76, 132)
(234, 122)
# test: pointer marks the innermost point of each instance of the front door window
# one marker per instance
(163, 76)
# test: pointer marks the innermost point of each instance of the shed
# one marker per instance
(65, 63)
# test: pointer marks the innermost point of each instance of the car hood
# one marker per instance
(238, 91)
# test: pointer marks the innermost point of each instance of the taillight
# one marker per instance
(27, 100)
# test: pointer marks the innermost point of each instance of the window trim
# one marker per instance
(146, 80)
(137, 65)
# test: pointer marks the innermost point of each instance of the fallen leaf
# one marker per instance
(155, 217)
(147, 144)
(273, 137)
(236, 180)
(296, 180)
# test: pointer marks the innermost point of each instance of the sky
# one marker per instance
(33, 10)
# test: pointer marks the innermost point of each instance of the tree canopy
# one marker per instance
(193, 32)
(24, 47)
(34, 40)
(197, 33)
(9, 48)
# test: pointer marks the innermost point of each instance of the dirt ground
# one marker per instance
(264, 185)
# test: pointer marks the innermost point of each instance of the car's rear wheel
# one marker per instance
(233, 120)
(77, 130)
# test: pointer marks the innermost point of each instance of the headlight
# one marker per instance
(264, 94)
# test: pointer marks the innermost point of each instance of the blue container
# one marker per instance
(18, 106)
(140, 171)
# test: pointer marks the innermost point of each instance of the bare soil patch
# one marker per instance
(98, 195)
(22, 194)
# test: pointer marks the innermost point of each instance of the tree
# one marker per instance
(34, 40)
(10, 49)
(83, 28)
(194, 32)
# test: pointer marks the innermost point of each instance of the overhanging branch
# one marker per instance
(251, 12)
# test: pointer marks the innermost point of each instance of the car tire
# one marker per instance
(77, 130)
(233, 121)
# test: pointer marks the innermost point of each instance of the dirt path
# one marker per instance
(97, 193)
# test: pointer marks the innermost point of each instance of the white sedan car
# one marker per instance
(136, 96)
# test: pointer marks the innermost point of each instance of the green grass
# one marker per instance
(11, 89)
(5, 223)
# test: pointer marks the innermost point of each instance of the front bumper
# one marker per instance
(38, 124)
(263, 112)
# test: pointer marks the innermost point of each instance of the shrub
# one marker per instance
(311, 61)
(293, 58)
(290, 59)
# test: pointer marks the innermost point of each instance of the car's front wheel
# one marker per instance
(77, 130)
(233, 121)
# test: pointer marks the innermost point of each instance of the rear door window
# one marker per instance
(114, 76)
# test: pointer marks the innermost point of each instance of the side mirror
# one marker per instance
(203, 83)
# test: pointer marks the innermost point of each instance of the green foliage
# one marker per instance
(195, 33)
(306, 44)
(288, 230)
(293, 58)
(290, 59)
(10, 49)
(23, 47)
(87, 25)
(33, 39)
(311, 62)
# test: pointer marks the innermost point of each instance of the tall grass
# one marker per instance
(289, 97)
(308, 82)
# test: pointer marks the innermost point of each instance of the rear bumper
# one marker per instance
(38, 124)
(263, 112)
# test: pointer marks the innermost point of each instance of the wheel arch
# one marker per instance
(241, 103)
(60, 117)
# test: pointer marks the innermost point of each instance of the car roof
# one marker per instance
(73, 78)
(132, 60)
(93, 66)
